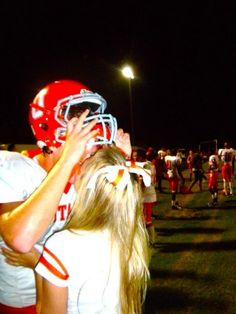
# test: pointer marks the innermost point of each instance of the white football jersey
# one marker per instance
(19, 177)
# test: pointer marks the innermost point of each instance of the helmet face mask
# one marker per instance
(74, 105)
(106, 127)
(59, 102)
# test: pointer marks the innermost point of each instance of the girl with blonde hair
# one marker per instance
(99, 262)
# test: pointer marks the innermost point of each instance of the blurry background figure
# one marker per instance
(189, 164)
(197, 169)
(173, 163)
(3, 147)
(233, 164)
(139, 154)
(226, 155)
(213, 167)
(151, 154)
(11, 147)
(180, 167)
(150, 196)
(160, 169)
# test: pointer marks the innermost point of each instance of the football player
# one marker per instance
(226, 155)
(69, 124)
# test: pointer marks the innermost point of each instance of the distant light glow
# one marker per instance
(128, 72)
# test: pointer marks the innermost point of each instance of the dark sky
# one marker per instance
(183, 56)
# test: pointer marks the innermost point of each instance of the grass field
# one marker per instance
(193, 266)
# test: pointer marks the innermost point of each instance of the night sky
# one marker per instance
(183, 57)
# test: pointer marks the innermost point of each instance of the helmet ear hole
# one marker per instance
(43, 126)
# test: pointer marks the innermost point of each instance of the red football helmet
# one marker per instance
(58, 102)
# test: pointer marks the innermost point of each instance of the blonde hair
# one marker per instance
(121, 213)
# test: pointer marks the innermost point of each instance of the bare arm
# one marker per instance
(38, 284)
(50, 298)
(24, 225)
(29, 259)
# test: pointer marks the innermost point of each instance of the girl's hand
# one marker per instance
(123, 142)
(14, 258)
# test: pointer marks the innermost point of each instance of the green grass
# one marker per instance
(193, 266)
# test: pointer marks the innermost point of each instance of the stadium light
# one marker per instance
(128, 74)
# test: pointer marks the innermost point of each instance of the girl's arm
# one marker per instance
(51, 299)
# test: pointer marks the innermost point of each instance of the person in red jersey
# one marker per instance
(173, 164)
(226, 155)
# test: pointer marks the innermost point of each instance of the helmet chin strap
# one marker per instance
(45, 149)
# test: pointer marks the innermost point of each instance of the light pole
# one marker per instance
(128, 73)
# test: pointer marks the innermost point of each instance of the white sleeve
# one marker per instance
(19, 177)
(49, 266)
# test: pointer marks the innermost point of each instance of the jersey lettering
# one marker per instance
(63, 212)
